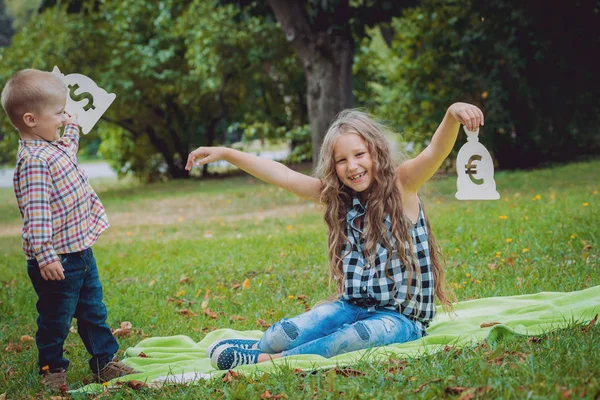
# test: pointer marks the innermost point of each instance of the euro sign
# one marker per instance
(82, 96)
(471, 169)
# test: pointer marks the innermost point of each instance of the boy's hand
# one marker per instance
(53, 271)
(467, 114)
(204, 155)
(71, 119)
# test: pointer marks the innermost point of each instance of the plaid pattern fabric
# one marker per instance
(366, 282)
(60, 210)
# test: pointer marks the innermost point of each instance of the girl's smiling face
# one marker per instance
(353, 163)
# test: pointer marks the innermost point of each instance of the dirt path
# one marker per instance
(166, 214)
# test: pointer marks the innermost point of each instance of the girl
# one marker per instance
(382, 255)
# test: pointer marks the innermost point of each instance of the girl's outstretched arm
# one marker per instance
(413, 173)
(270, 171)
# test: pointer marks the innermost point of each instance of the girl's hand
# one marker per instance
(467, 114)
(204, 155)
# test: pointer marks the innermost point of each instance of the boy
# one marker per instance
(62, 219)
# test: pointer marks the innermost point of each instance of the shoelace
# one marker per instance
(243, 358)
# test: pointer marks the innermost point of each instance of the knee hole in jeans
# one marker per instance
(290, 329)
(362, 331)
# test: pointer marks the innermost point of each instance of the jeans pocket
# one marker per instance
(63, 258)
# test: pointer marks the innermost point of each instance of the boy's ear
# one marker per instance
(29, 120)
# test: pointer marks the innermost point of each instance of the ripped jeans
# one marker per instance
(335, 328)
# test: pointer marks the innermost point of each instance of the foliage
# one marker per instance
(508, 59)
(191, 244)
(182, 71)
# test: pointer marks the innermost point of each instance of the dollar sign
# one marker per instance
(82, 96)
(471, 169)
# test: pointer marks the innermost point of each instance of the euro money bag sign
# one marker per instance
(475, 170)
(85, 99)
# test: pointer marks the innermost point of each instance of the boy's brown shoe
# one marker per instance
(55, 380)
(112, 370)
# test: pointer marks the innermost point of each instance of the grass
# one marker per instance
(197, 239)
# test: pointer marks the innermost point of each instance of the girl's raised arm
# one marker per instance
(413, 173)
(270, 171)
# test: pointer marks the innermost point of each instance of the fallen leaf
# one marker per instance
(492, 265)
(591, 324)
(135, 385)
(488, 324)
(231, 376)
(347, 372)
(142, 355)
(262, 323)
(184, 279)
(26, 338)
(454, 389)
(187, 313)
(472, 393)
(246, 284)
(176, 301)
(123, 330)
(210, 313)
(535, 339)
(421, 386)
(236, 286)
(206, 299)
(510, 261)
(237, 318)
(13, 348)
(587, 247)
(300, 372)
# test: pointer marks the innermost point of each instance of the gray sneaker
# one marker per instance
(112, 370)
(55, 380)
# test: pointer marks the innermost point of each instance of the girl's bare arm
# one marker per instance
(413, 173)
(270, 171)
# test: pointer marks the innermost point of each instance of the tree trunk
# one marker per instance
(6, 31)
(327, 56)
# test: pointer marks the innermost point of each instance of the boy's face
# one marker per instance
(49, 120)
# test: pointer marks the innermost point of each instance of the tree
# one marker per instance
(183, 72)
(6, 30)
(525, 64)
(323, 35)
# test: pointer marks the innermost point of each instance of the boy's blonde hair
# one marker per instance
(31, 90)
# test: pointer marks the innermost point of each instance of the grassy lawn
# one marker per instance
(198, 241)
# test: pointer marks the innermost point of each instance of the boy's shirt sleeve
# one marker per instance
(36, 187)
(70, 138)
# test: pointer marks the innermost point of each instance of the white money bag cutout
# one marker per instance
(85, 98)
(475, 170)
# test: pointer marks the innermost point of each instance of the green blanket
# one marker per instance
(181, 359)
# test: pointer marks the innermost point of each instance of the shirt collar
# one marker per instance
(357, 209)
(33, 142)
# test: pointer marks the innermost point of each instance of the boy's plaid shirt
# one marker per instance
(369, 285)
(60, 210)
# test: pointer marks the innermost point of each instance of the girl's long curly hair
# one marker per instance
(384, 198)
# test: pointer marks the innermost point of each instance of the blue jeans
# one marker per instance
(79, 296)
(335, 328)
